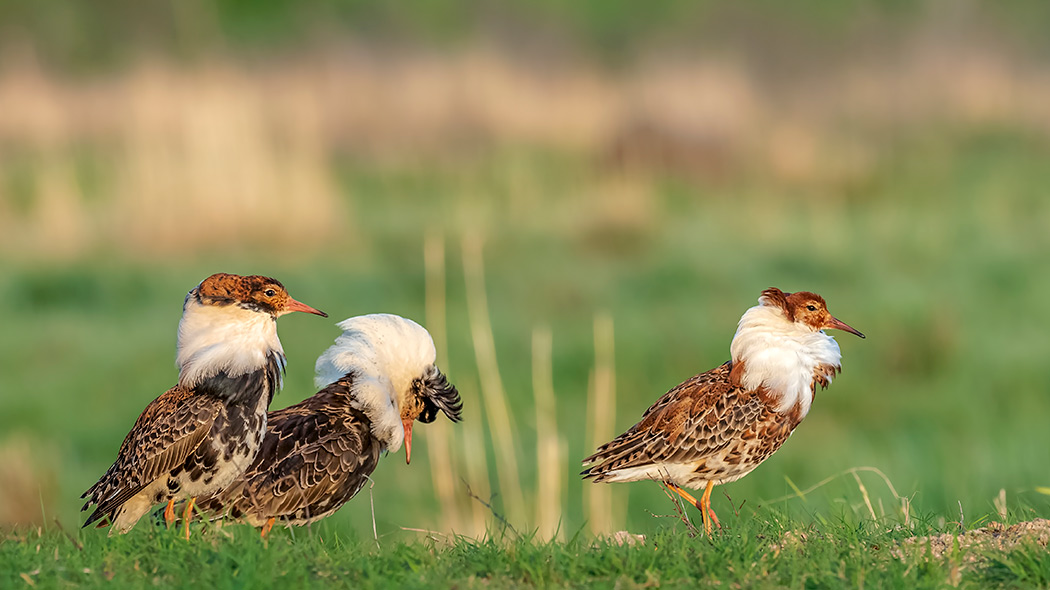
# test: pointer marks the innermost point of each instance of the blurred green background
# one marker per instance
(655, 165)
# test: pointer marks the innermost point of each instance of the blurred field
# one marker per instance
(636, 209)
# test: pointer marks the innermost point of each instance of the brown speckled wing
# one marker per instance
(165, 434)
(316, 456)
(697, 419)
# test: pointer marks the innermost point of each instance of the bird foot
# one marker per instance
(186, 518)
(169, 513)
(706, 511)
(266, 528)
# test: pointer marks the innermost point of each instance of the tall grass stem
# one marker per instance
(602, 411)
(550, 445)
(500, 425)
(439, 435)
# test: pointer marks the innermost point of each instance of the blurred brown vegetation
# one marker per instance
(166, 156)
(28, 482)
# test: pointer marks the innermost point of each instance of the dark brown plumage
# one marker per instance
(317, 454)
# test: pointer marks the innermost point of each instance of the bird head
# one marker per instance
(253, 293)
(228, 325)
(807, 310)
(395, 379)
(430, 393)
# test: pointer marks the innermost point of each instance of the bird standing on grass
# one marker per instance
(200, 435)
(377, 379)
(718, 426)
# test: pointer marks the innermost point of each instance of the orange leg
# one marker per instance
(266, 528)
(704, 505)
(688, 497)
(169, 513)
(709, 513)
(186, 517)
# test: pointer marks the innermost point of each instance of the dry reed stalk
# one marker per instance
(477, 466)
(602, 411)
(865, 496)
(500, 425)
(551, 449)
(27, 468)
(440, 436)
(905, 503)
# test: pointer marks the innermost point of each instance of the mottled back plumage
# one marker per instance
(719, 430)
(316, 455)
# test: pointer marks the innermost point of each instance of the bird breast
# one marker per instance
(226, 338)
(783, 357)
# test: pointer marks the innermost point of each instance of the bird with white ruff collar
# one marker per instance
(718, 426)
(376, 380)
(200, 435)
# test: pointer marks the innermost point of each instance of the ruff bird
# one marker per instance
(200, 435)
(716, 427)
(375, 381)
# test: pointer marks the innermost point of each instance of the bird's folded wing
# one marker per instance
(174, 428)
(690, 422)
(308, 459)
(165, 434)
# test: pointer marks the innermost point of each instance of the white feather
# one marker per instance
(655, 471)
(229, 338)
(387, 353)
(781, 355)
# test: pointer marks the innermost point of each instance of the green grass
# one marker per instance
(750, 553)
(938, 254)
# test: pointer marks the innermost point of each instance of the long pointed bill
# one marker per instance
(840, 325)
(294, 305)
(408, 440)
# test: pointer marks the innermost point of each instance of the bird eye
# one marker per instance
(811, 307)
(269, 292)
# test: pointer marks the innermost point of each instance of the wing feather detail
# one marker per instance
(697, 419)
(315, 457)
(167, 432)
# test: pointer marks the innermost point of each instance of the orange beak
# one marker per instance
(294, 305)
(840, 325)
(408, 440)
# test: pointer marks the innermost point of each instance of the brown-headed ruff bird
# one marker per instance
(376, 380)
(200, 435)
(718, 426)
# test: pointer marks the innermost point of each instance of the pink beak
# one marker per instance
(840, 325)
(293, 305)
(408, 440)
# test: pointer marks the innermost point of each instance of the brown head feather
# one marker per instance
(776, 298)
(807, 308)
(264, 293)
(255, 292)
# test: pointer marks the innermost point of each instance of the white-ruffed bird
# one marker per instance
(377, 379)
(717, 426)
(203, 433)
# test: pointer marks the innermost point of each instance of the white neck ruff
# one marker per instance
(782, 356)
(224, 338)
(386, 353)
